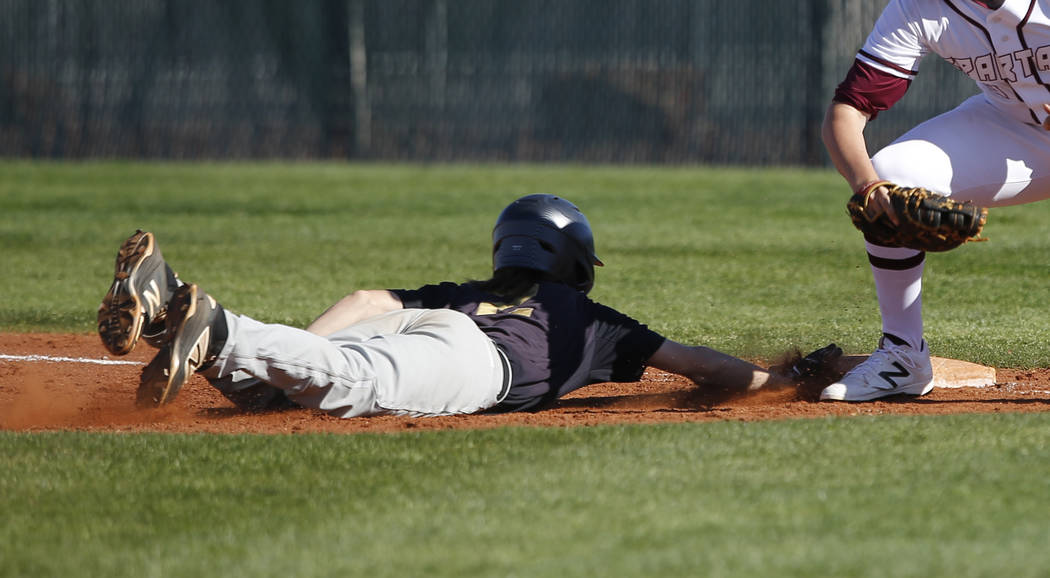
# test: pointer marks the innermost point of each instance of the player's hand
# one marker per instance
(1046, 121)
(795, 367)
(879, 204)
(816, 363)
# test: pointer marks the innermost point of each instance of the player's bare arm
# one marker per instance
(705, 366)
(843, 134)
(353, 308)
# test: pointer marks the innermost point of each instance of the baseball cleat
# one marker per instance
(138, 297)
(893, 369)
(193, 317)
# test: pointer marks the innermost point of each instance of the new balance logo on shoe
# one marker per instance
(151, 294)
(191, 324)
(199, 353)
(889, 375)
(891, 370)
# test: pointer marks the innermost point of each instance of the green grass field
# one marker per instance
(748, 261)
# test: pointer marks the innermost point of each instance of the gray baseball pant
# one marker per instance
(418, 362)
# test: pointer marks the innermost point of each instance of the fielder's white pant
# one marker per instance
(971, 153)
(408, 362)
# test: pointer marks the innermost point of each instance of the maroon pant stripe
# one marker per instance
(896, 264)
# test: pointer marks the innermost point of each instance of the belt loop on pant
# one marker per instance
(505, 389)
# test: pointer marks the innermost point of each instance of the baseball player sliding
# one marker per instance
(517, 341)
(992, 150)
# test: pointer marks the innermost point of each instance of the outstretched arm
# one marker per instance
(705, 366)
(356, 306)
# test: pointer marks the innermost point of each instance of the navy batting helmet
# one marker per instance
(546, 233)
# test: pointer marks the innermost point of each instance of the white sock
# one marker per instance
(898, 283)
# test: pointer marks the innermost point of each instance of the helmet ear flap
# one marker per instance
(584, 278)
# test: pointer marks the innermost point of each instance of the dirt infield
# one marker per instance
(64, 382)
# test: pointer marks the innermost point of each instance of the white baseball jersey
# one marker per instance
(1005, 51)
(992, 149)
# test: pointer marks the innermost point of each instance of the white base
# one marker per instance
(946, 372)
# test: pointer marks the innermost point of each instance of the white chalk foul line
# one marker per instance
(54, 359)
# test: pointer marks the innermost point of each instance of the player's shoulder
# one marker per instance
(556, 296)
(933, 9)
(548, 290)
(916, 11)
(906, 26)
(443, 290)
(921, 4)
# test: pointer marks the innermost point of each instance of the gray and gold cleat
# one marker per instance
(138, 298)
(197, 330)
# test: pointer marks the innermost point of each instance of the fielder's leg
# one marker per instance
(972, 153)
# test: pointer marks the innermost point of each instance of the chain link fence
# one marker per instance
(636, 81)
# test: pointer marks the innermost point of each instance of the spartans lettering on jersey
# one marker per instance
(993, 67)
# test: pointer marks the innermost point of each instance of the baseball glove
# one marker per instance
(816, 362)
(928, 221)
(797, 368)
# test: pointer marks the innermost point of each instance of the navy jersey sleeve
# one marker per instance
(438, 296)
(622, 346)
